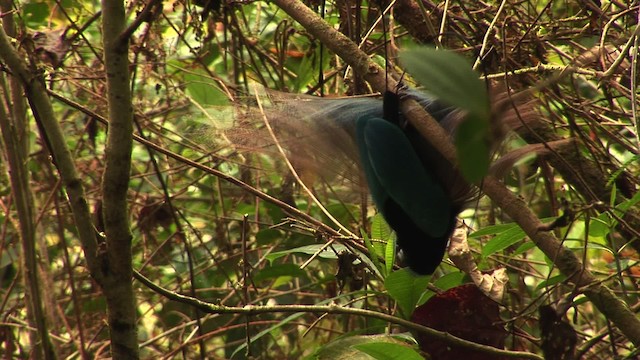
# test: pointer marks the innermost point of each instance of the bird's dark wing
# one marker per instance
(395, 173)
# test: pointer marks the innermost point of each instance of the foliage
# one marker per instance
(236, 228)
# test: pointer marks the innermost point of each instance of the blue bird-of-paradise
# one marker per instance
(409, 181)
(417, 191)
(407, 189)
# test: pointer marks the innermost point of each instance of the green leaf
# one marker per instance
(595, 246)
(340, 211)
(267, 331)
(450, 280)
(524, 247)
(36, 13)
(9, 256)
(445, 282)
(634, 159)
(278, 270)
(390, 254)
(328, 253)
(406, 289)
(472, 144)
(203, 89)
(493, 230)
(380, 231)
(389, 351)
(551, 281)
(503, 241)
(624, 206)
(449, 77)
(268, 236)
(373, 252)
(348, 348)
(379, 228)
(600, 226)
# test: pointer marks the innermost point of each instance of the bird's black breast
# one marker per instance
(422, 252)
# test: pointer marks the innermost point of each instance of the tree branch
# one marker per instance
(117, 268)
(23, 202)
(338, 43)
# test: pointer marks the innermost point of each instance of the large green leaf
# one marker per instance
(326, 253)
(203, 89)
(472, 143)
(374, 254)
(381, 230)
(445, 282)
(448, 77)
(389, 351)
(503, 241)
(406, 289)
(362, 348)
(380, 234)
(390, 254)
(493, 230)
(551, 281)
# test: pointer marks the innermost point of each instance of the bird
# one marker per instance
(408, 178)
(418, 192)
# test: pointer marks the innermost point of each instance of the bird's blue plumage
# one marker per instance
(418, 192)
(416, 189)
(393, 167)
(409, 195)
